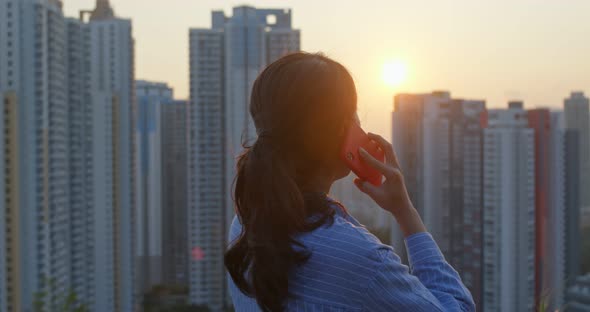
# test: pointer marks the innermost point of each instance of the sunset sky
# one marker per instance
(537, 51)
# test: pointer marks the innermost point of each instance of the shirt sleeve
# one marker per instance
(430, 284)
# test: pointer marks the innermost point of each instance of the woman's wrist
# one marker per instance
(409, 220)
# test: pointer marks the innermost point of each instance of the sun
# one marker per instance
(395, 73)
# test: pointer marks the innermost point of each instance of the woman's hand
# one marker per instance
(392, 195)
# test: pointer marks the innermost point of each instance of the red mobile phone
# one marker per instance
(355, 138)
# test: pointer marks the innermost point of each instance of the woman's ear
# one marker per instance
(346, 125)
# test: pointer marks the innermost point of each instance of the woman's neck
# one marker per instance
(319, 185)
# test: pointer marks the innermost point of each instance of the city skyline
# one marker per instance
(497, 51)
(117, 195)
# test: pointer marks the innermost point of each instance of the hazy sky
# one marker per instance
(496, 50)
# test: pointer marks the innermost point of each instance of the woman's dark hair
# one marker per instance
(301, 105)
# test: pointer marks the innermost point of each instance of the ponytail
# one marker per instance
(271, 209)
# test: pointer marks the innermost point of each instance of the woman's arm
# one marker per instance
(428, 264)
(433, 284)
(430, 284)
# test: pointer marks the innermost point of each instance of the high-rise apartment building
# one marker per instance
(67, 98)
(206, 170)
(34, 188)
(224, 62)
(150, 98)
(80, 136)
(439, 142)
(572, 206)
(549, 206)
(577, 117)
(174, 193)
(416, 127)
(163, 252)
(509, 211)
(435, 165)
(111, 83)
(539, 121)
(466, 193)
(565, 213)
(407, 140)
(555, 270)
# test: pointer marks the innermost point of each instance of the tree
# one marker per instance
(67, 302)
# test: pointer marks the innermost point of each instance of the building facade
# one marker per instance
(420, 124)
(509, 211)
(539, 121)
(150, 98)
(224, 62)
(577, 117)
(555, 271)
(80, 136)
(34, 226)
(572, 206)
(206, 193)
(465, 251)
(438, 141)
(66, 89)
(549, 206)
(112, 71)
(407, 121)
(174, 193)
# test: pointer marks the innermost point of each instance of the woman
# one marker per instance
(292, 247)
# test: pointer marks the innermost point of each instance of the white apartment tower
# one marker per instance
(151, 96)
(34, 216)
(509, 211)
(224, 62)
(101, 103)
(111, 83)
(80, 136)
(416, 127)
(66, 184)
(438, 141)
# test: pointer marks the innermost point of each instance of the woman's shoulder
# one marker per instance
(341, 238)
(345, 240)
(343, 257)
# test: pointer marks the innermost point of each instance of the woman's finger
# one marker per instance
(386, 147)
(366, 188)
(381, 167)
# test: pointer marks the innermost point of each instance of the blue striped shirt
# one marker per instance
(351, 270)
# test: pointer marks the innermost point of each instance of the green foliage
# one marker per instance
(544, 301)
(66, 302)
